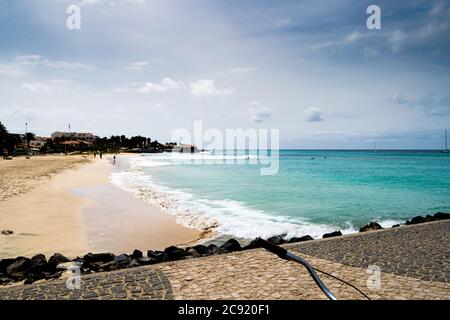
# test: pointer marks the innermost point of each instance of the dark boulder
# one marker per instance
(19, 268)
(200, 249)
(4, 263)
(38, 263)
(251, 245)
(136, 254)
(396, 225)
(277, 239)
(174, 253)
(122, 258)
(191, 253)
(158, 255)
(441, 216)
(371, 226)
(332, 234)
(57, 259)
(152, 254)
(415, 220)
(146, 261)
(133, 263)
(98, 257)
(108, 266)
(212, 248)
(229, 246)
(301, 239)
(7, 232)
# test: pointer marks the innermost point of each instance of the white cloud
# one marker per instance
(259, 113)
(398, 98)
(165, 85)
(37, 60)
(11, 70)
(312, 114)
(354, 36)
(207, 88)
(283, 23)
(36, 87)
(432, 105)
(138, 65)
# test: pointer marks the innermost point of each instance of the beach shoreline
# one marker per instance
(51, 211)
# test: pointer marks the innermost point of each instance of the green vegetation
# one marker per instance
(13, 144)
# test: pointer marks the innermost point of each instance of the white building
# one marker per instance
(83, 136)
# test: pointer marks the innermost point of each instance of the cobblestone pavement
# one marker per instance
(418, 251)
(257, 274)
(136, 283)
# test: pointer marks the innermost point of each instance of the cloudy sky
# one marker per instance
(309, 68)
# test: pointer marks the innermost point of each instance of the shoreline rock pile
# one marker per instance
(37, 268)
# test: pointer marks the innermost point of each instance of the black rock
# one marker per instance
(152, 254)
(229, 246)
(122, 258)
(146, 261)
(52, 275)
(277, 239)
(98, 257)
(5, 280)
(251, 245)
(56, 259)
(396, 225)
(212, 248)
(191, 253)
(415, 220)
(301, 239)
(136, 254)
(38, 263)
(4, 263)
(332, 234)
(200, 249)
(133, 263)
(441, 216)
(174, 253)
(7, 232)
(19, 268)
(109, 266)
(371, 226)
(158, 255)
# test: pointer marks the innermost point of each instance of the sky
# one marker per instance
(311, 69)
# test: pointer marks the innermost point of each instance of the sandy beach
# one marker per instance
(67, 205)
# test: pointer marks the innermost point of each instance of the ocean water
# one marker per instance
(313, 192)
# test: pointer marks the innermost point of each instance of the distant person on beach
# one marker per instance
(114, 160)
(101, 154)
(95, 154)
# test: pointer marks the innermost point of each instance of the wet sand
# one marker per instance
(79, 211)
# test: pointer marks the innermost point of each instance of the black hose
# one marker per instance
(343, 281)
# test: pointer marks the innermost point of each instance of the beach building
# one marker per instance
(185, 148)
(76, 136)
(38, 142)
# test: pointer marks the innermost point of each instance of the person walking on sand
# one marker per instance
(114, 160)
(101, 154)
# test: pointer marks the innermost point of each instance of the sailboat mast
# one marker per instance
(445, 148)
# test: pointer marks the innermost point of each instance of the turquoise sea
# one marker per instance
(312, 193)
